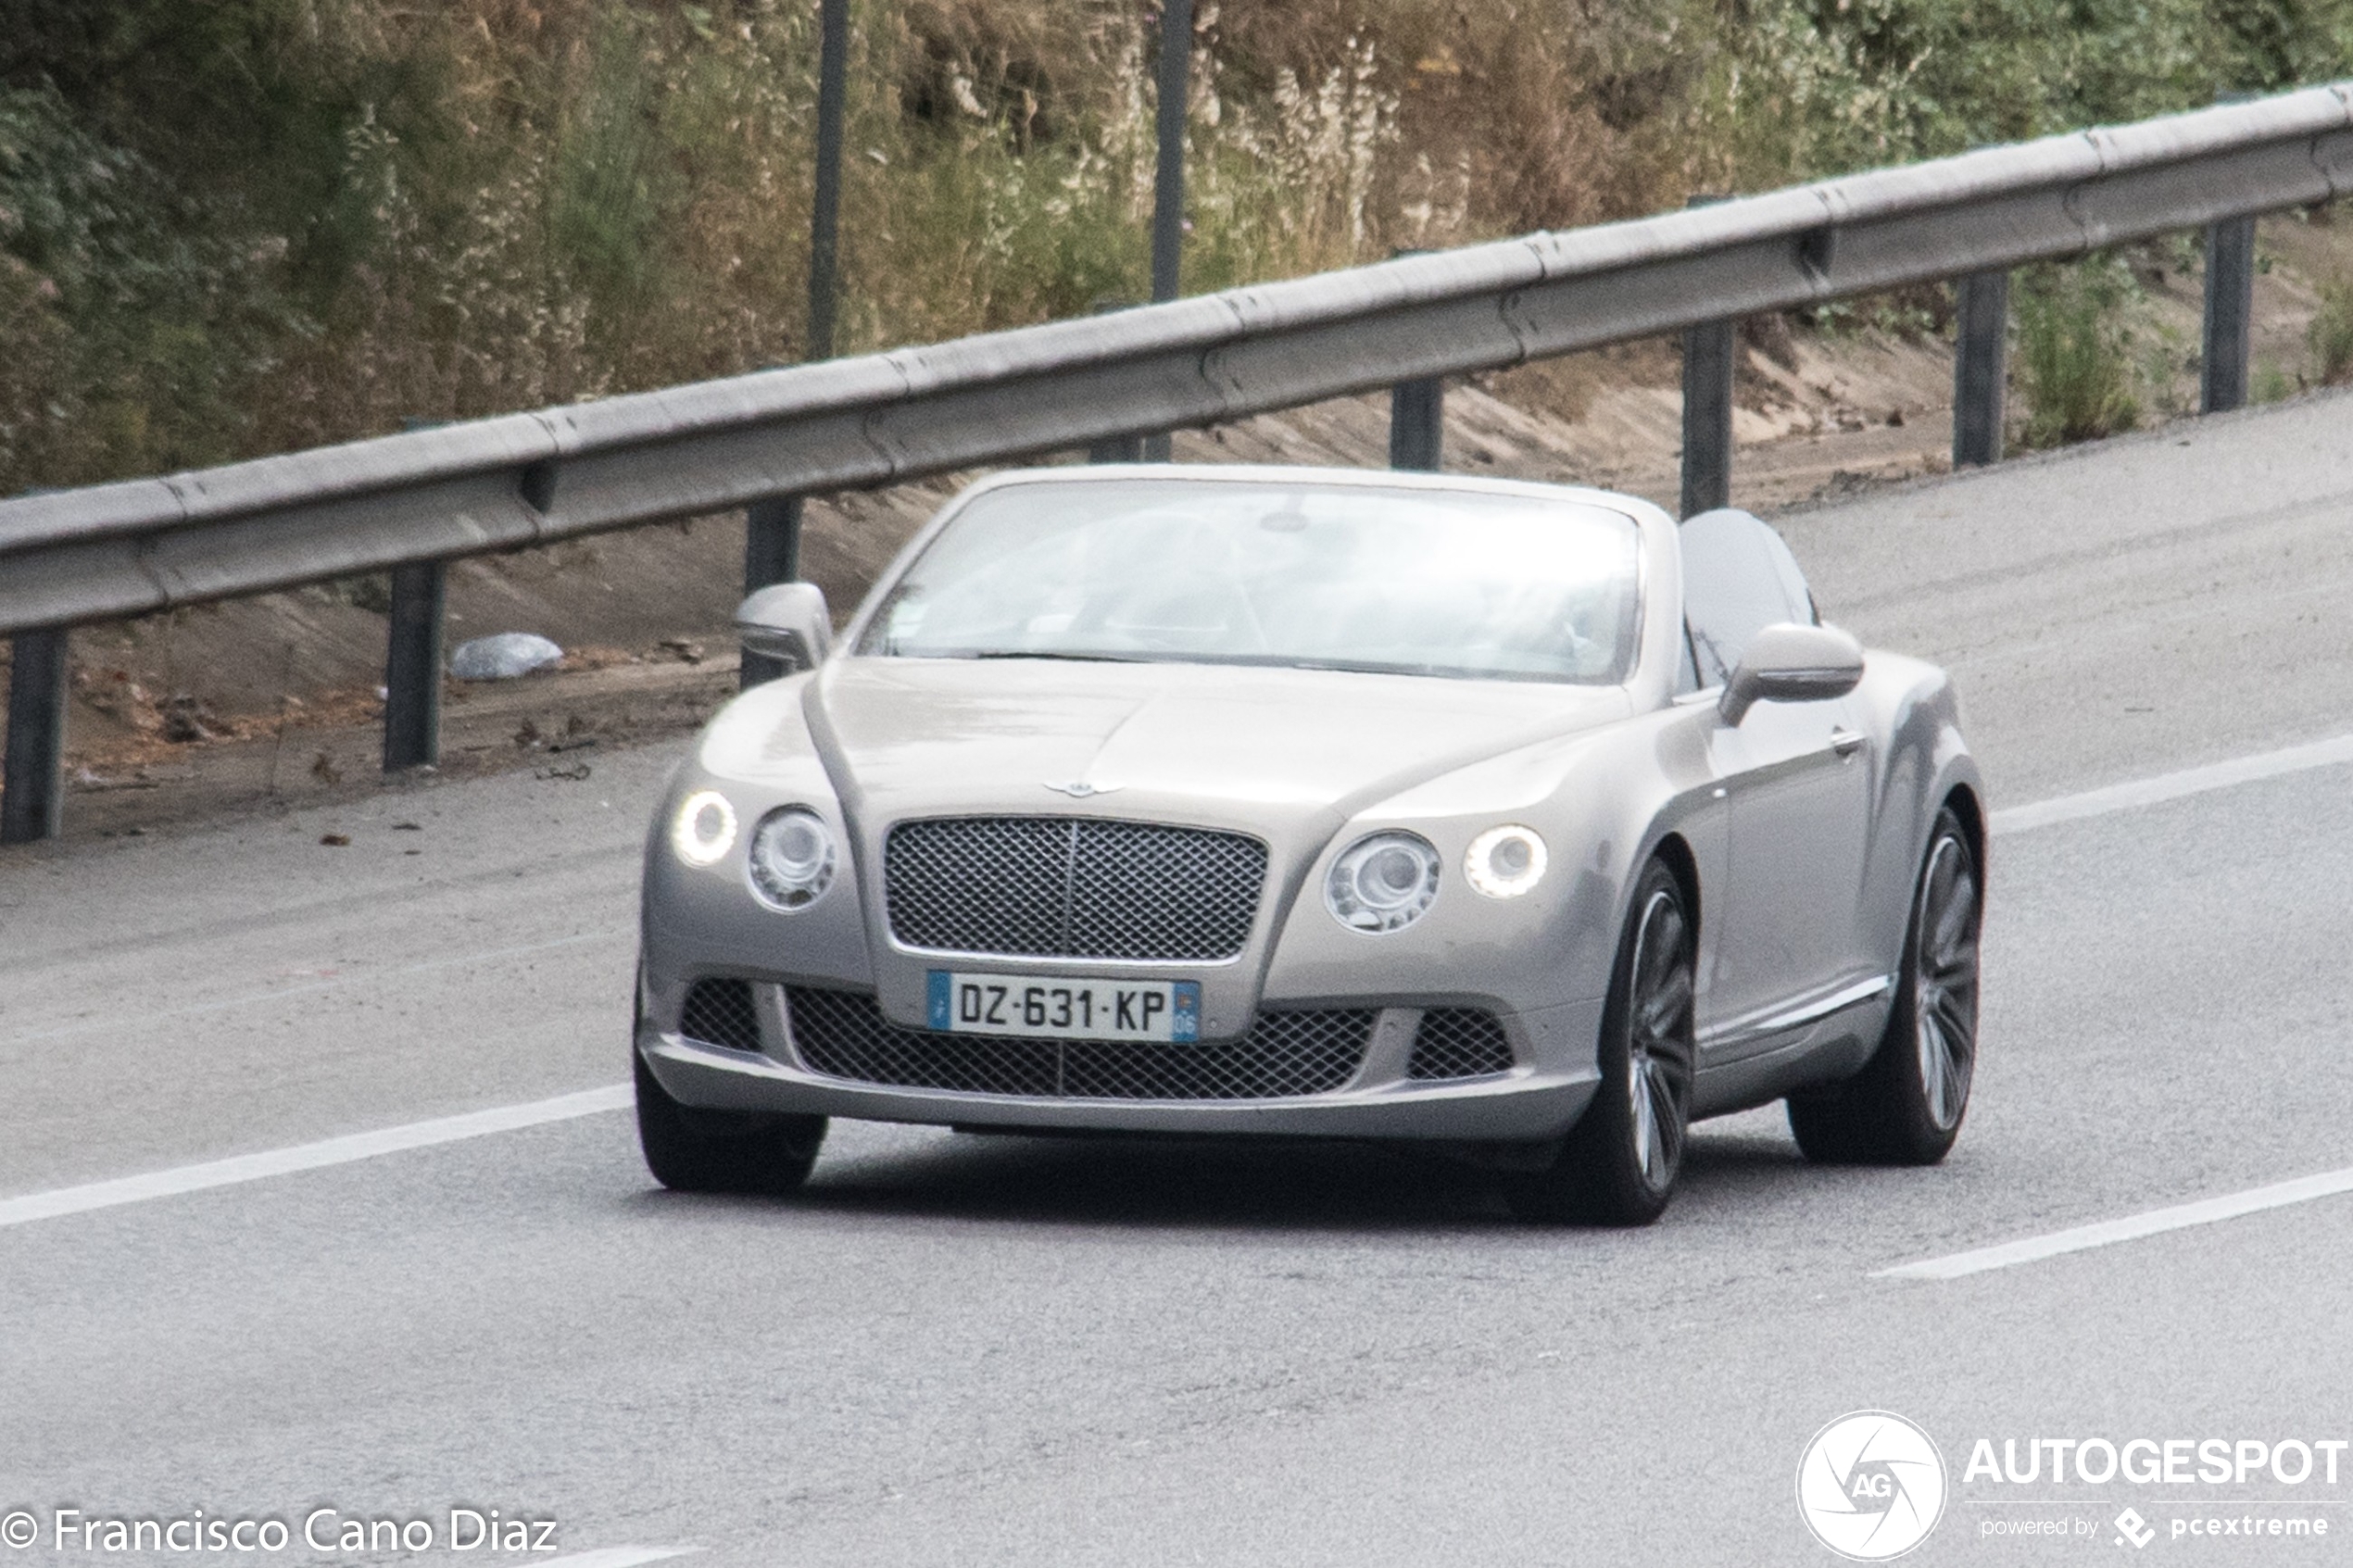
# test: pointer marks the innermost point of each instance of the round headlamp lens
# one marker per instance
(1382, 882)
(792, 857)
(704, 829)
(1504, 862)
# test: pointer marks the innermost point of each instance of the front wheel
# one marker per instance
(1617, 1166)
(1905, 1106)
(690, 1150)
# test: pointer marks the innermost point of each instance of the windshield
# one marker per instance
(1346, 577)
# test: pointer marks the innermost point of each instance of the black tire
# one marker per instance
(1906, 1106)
(1617, 1166)
(694, 1151)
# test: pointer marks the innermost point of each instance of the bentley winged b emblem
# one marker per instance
(1080, 789)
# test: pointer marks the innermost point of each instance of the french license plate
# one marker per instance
(1062, 1008)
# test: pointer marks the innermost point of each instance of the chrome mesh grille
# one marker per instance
(1459, 1043)
(1078, 887)
(720, 1012)
(844, 1034)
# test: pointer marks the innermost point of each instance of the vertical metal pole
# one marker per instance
(1708, 409)
(1981, 349)
(412, 667)
(1168, 180)
(825, 223)
(1168, 185)
(772, 554)
(1416, 423)
(772, 527)
(2230, 306)
(35, 801)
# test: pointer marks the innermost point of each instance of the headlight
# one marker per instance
(1504, 862)
(1382, 882)
(704, 829)
(792, 857)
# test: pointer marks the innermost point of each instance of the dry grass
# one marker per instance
(522, 202)
(539, 202)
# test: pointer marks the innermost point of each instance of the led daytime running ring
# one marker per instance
(1506, 861)
(704, 829)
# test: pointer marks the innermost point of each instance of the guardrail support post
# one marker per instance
(1708, 408)
(2230, 306)
(35, 798)
(1416, 424)
(412, 666)
(772, 554)
(1417, 414)
(1980, 367)
(1707, 417)
(1121, 448)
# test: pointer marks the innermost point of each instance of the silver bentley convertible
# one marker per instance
(1516, 819)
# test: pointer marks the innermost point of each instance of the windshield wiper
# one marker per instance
(1074, 657)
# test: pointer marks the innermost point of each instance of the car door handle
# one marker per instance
(1847, 742)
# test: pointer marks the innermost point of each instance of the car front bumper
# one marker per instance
(1536, 1099)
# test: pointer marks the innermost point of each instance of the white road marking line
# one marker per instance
(619, 1557)
(2108, 1233)
(2172, 786)
(310, 1157)
(311, 987)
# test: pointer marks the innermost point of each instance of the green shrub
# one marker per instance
(130, 325)
(249, 225)
(2331, 334)
(2076, 359)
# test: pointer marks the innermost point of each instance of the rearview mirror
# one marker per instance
(787, 622)
(1792, 663)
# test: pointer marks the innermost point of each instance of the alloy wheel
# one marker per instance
(1658, 1078)
(1944, 981)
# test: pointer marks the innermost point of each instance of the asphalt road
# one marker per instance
(982, 1351)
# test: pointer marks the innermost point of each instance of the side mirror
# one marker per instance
(787, 622)
(1792, 663)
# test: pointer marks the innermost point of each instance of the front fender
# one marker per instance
(1926, 761)
(1603, 801)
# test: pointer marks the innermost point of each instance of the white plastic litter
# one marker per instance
(504, 656)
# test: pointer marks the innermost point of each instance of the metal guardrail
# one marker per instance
(427, 495)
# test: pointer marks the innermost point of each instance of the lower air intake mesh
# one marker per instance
(1459, 1043)
(844, 1034)
(720, 1012)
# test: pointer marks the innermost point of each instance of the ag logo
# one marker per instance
(1871, 1486)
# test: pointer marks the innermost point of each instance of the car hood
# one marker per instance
(1277, 752)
